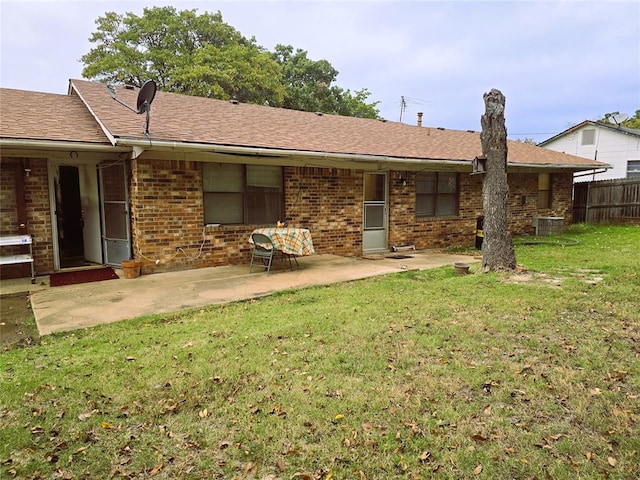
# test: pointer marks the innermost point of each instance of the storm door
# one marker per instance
(374, 237)
(116, 231)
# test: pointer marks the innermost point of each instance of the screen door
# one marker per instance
(374, 236)
(116, 229)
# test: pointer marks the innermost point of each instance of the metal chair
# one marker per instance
(289, 256)
(263, 249)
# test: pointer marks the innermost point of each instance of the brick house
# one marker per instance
(81, 174)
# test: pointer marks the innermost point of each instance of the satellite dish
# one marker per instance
(145, 96)
(620, 117)
(616, 117)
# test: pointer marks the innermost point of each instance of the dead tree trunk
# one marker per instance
(497, 246)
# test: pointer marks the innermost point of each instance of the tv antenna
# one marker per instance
(406, 101)
(145, 97)
(616, 118)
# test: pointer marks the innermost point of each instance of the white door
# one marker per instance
(73, 194)
(116, 236)
(374, 237)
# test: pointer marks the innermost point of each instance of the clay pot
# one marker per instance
(460, 268)
(131, 268)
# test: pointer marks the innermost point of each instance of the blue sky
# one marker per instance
(557, 62)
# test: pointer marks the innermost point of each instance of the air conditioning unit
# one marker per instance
(545, 226)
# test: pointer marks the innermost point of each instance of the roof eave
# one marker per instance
(317, 158)
(557, 166)
(48, 148)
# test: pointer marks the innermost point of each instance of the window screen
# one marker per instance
(589, 136)
(544, 190)
(633, 169)
(436, 194)
(242, 194)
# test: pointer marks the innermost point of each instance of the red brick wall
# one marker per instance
(522, 201)
(168, 218)
(39, 215)
(8, 209)
(328, 201)
(433, 232)
(167, 213)
(36, 187)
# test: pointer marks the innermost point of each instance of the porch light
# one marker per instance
(402, 177)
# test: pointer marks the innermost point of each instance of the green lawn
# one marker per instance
(410, 375)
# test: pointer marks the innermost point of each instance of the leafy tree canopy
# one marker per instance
(308, 85)
(201, 55)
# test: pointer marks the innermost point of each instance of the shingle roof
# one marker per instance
(26, 115)
(198, 121)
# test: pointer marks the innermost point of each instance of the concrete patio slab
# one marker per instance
(87, 305)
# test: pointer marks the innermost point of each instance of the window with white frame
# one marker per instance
(436, 194)
(242, 194)
(633, 169)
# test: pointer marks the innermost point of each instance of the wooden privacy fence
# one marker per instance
(607, 201)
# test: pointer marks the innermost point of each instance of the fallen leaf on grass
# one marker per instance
(526, 369)
(156, 469)
(611, 461)
(425, 457)
(619, 375)
(106, 425)
(303, 475)
(479, 438)
(250, 469)
(477, 470)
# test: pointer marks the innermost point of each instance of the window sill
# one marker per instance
(437, 218)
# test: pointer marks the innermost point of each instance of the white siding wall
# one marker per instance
(614, 148)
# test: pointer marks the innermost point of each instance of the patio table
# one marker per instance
(289, 240)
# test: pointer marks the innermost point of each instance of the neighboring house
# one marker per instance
(80, 175)
(614, 145)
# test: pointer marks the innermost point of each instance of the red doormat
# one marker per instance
(82, 276)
